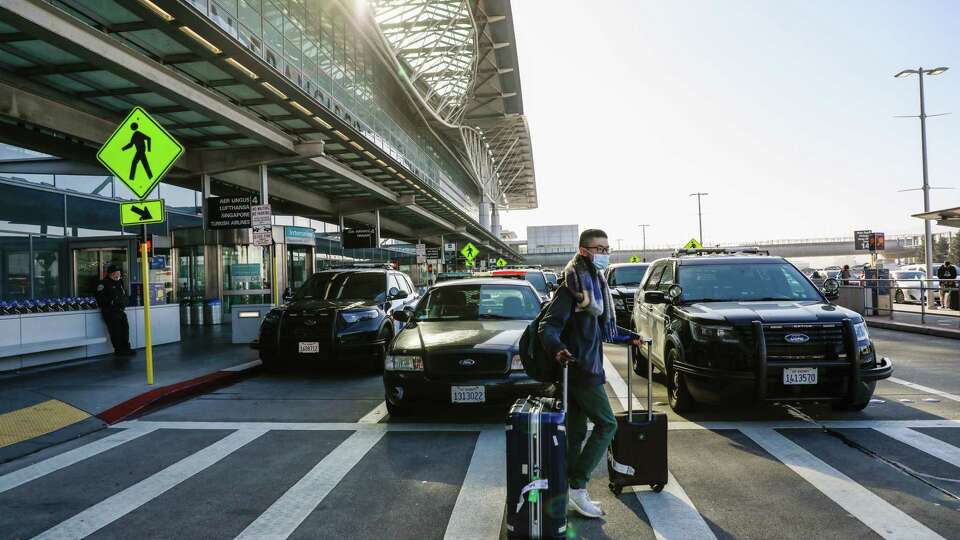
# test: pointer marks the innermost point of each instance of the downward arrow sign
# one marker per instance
(144, 212)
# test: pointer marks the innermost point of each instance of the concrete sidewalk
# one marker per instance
(934, 324)
(46, 406)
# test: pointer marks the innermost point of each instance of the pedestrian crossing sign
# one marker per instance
(501, 262)
(469, 251)
(140, 152)
(634, 258)
(692, 244)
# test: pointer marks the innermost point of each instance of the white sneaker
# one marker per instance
(580, 501)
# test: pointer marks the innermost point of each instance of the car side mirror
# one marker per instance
(399, 295)
(831, 288)
(551, 287)
(654, 297)
(403, 315)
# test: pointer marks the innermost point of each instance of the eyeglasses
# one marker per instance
(603, 250)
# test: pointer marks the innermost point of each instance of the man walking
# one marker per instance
(581, 316)
(112, 299)
(141, 145)
(947, 274)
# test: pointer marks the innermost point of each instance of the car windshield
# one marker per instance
(744, 282)
(535, 278)
(477, 302)
(625, 276)
(908, 275)
(344, 286)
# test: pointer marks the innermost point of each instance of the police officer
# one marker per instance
(112, 298)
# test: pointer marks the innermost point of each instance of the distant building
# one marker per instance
(507, 235)
(552, 238)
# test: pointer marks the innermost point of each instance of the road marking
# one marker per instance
(926, 389)
(113, 508)
(925, 443)
(884, 518)
(478, 512)
(377, 414)
(66, 459)
(292, 508)
(671, 513)
(36, 420)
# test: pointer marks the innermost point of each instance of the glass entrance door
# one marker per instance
(90, 265)
(297, 270)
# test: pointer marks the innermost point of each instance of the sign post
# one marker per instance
(139, 153)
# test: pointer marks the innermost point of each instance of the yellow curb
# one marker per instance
(36, 420)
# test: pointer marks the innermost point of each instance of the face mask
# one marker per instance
(601, 261)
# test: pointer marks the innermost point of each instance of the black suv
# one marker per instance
(624, 279)
(729, 327)
(337, 313)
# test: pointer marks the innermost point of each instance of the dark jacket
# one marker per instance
(112, 295)
(947, 273)
(579, 333)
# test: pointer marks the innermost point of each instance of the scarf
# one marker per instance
(592, 294)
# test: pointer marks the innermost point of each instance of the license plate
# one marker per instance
(800, 375)
(309, 346)
(468, 394)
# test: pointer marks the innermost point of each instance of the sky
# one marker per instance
(782, 110)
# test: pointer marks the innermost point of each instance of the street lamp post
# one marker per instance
(700, 213)
(927, 235)
(643, 252)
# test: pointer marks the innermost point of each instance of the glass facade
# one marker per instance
(313, 44)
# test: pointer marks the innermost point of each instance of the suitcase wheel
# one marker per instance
(617, 490)
(657, 488)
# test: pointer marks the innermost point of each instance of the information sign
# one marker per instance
(861, 240)
(359, 238)
(228, 212)
(303, 236)
(142, 212)
(139, 152)
(877, 242)
(450, 246)
(433, 253)
(261, 224)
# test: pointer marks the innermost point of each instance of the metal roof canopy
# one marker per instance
(949, 217)
(95, 64)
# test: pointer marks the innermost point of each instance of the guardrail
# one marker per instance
(877, 296)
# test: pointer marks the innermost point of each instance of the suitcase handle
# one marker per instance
(649, 343)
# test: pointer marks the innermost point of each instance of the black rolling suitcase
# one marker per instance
(537, 467)
(638, 454)
(953, 299)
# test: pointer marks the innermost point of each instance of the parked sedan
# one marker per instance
(907, 286)
(460, 346)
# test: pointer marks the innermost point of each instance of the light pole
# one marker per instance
(927, 235)
(619, 247)
(643, 253)
(700, 213)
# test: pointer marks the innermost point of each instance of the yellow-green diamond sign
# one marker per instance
(469, 251)
(634, 258)
(692, 244)
(501, 263)
(142, 212)
(139, 152)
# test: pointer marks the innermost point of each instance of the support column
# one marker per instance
(485, 212)
(495, 220)
(204, 195)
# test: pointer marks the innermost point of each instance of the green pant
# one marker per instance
(587, 402)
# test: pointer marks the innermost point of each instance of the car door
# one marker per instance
(644, 317)
(659, 318)
(407, 286)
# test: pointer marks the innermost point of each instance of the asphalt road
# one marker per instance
(307, 454)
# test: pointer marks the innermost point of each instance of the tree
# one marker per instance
(954, 254)
(941, 247)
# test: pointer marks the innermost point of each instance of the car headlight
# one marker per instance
(403, 362)
(704, 333)
(351, 317)
(860, 330)
(516, 364)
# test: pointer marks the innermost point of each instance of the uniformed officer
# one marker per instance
(112, 298)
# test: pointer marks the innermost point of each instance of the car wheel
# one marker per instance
(380, 355)
(269, 359)
(679, 396)
(640, 361)
(398, 411)
(898, 297)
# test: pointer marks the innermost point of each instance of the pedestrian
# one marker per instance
(947, 274)
(112, 298)
(845, 275)
(580, 317)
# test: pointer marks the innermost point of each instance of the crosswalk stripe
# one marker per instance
(374, 416)
(885, 519)
(925, 443)
(671, 512)
(926, 389)
(478, 512)
(66, 459)
(292, 508)
(113, 508)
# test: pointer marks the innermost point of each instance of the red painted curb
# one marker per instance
(169, 394)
